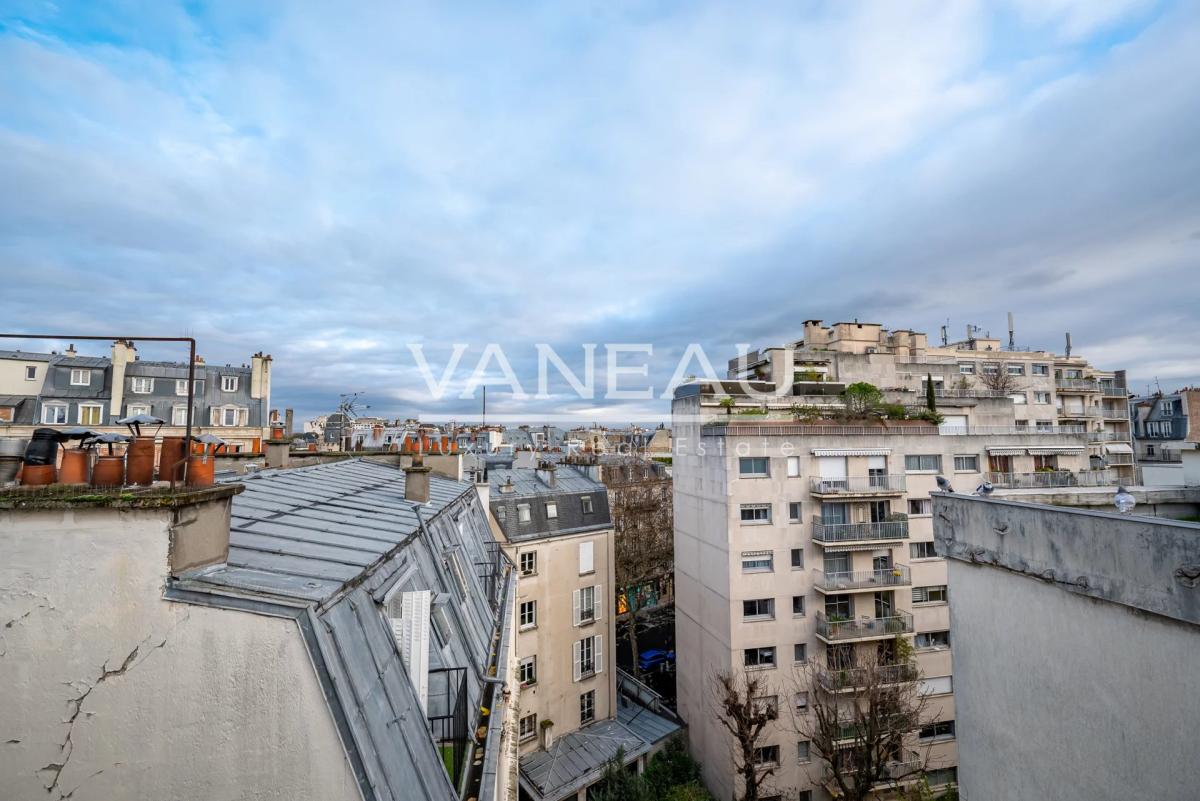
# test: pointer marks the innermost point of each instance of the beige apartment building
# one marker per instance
(800, 540)
(553, 522)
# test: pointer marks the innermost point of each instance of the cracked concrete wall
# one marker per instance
(110, 692)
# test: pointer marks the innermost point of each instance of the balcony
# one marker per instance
(1108, 436)
(1115, 414)
(1052, 479)
(1111, 390)
(1084, 413)
(894, 530)
(946, 430)
(951, 392)
(836, 680)
(858, 485)
(865, 628)
(1077, 385)
(849, 581)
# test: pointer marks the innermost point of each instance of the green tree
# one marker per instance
(862, 399)
(930, 395)
(617, 783)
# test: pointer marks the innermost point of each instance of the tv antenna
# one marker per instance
(349, 405)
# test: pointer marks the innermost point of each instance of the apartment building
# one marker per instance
(555, 525)
(802, 540)
(1161, 427)
(68, 389)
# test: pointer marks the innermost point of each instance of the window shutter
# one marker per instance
(586, 561)
(412, 635)
(576, 656)
(214, 416)
(598, 644)
(243, 416)
(793, 466)
(598, 602)
(575, 606)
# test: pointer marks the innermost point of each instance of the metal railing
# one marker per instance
(857, 485)
(1052, 479)
(1120, 459)
(1078, 413)
(1077, 384)
(951, 392)
(1114, 414)
(894, 576)
(989, 430)
(1114, 390)
(849, 532)
(447, 717)
(1108, 436)
(897, 623)
(837, 679)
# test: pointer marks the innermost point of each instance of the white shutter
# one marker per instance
(877, 463)
(575, 606)
(214, 416)
(243, 416)
(598, 645)
(586, 561)
(575, 657)
(793, 466)
(412, 635)
(598, 601)
(832, 467)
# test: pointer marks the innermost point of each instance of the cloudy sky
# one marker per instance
(332, 183)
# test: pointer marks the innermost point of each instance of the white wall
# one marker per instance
(174, 701)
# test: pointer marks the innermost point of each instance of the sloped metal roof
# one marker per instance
(569, 487)
(577, 760)
(646, 724)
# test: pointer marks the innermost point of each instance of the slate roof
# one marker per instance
(577, 760)
(569, 487)
(333, 542)
(24, 356)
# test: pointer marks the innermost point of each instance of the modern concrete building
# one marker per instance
(329, 632)
(555, 526)
(1076, 637)
(57, 390)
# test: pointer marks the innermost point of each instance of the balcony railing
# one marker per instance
(858, 485)
(1078, 413)
(1120, 459)
(1114, 414)
(896, 623)
(841, 679)
(850, 532)
(946, 430)
(1108, 436)
(1077, 384)
(951, 392)
(894, 576)
(1052, 479)
(1114, 390)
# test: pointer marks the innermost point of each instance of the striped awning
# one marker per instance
(997, 451)
(1077, 449)
(1118, 447)
(851, 451)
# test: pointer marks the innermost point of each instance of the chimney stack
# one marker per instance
(70, 352)
(545, 472)
(416, 480)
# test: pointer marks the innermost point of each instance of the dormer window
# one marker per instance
(229, 383)
(81, 378)
(142, 386)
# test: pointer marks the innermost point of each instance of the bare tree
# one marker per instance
(1000, 381)
(865, 708)
(745, 711)
(640, 500)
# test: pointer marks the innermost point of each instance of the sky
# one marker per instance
(335, 183)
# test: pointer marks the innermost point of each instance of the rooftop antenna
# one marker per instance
(945, 335)
(348, 405)
(484, 422)
(1068, 345)
(1012, 340)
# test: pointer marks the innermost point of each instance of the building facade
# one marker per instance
(1161, 425)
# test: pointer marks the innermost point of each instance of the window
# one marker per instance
(528, 614)
(920, 506)
(935, 640)
(137, 408)
(929, 595)
(941, 730)
(229, 416)
(1016, 369)
(527, 671)
(966, 368)
(551, 510)
(926, 462)
(756, 513)
(991, 368)
(758, 609)
(587, 563)
(921, 550)
(31, 372)
(794, 511)
(758, 561)
(938, 685)
(587, 657)
(528, 563)
(939, 777)
(54, 413)
(586, 502)
(229, 383)
(179, 415)
(1042, 398)
(758, 658)
(585, 605)
(966, 463)
(522, 513)
(797, 559)
(181, 387)
(800, 656)
(797, 606)
(1039, 369)
(91, 414)
(753, 467)
(766, 755)
(766, 705)
(527, 728)
(81, 378)
(587, 707)
(802, 751)
(1044, 424)
(501, 513)
(1018, 398)
(141, 386)
(793, 466)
